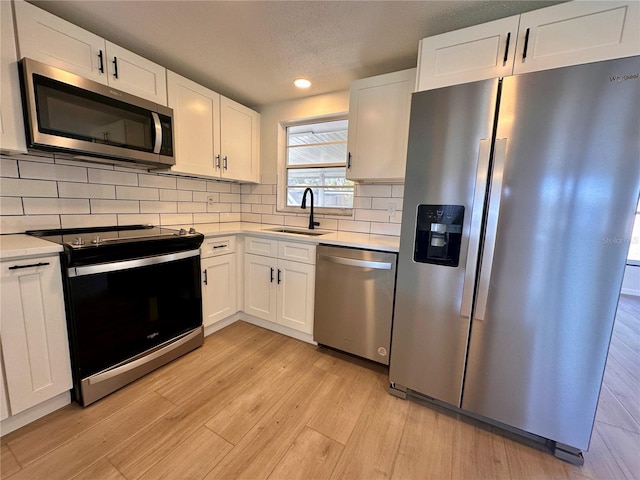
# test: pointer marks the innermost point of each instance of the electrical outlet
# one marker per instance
(210, 201)
(391, 209)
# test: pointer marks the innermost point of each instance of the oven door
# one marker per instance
(120, 311)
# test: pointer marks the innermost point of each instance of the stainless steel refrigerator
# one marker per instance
(518, 209)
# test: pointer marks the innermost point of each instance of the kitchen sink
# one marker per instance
(297, 231)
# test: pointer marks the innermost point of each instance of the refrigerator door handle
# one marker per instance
(499, 158)
(484, 155)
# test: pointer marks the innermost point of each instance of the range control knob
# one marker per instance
(192, 231)
(97, 240)
(78, 241)
(182, 232)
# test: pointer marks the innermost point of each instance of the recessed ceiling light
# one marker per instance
(302, 83)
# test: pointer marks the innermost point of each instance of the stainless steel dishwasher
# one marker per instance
(354, 300)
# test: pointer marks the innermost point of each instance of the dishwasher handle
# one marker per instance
(357, 263)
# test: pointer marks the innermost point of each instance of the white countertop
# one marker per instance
(17, 246)
(384, 243)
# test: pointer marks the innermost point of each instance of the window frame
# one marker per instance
(281, 176)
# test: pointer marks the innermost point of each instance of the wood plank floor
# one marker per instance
(253, 404)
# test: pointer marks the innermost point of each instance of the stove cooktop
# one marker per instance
(84, 246)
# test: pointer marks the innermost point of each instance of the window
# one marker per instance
(316, 156)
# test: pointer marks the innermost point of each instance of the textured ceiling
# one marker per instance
(252, 50)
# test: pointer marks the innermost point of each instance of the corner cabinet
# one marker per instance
(379, 109)
(219, 277)
(35, 350)
(56, 42)
(215, 137)
(12, 139)
(279, 282)
(567, 34)
(239, 142)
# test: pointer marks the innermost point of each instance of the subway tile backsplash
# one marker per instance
(48, 191)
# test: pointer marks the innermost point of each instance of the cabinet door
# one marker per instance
(296, 295)
(196, 114)
(34, 332)
(577, 32)
(475, 53)
(11, 120)
(4, 400)
(239, 141)
(56, 42)
(136, 75)
(219, 292)
(379, 110)
(260, 286)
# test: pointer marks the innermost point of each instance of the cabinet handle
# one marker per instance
(506, 49)
(115, 67)
(279, 272)
(101, 64)
(31, 265)
(224, 162)
(206, 279)
(349, 160)
(218, 161)
(526, 44)
(220, 246)
(271, 281)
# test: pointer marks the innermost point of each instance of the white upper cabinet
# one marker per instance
(196, 115)
(136, 75)
(379, 109)
(474, 53)
(214, 137)
(239, 142)
(577, 32)
(12, 139)
(56, 42)
(561, 35)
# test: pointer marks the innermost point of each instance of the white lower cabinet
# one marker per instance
(219, 277)
(35, 350)
(279, 282)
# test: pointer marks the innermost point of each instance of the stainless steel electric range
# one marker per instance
(133, 301)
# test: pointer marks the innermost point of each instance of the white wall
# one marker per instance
(631, 282)
(38, 192)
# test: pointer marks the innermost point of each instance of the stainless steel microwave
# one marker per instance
(68, 113)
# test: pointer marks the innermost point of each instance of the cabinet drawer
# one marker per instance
(297, 252)
(213, 247)
(261, 246)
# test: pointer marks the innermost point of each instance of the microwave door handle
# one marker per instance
(158, 130)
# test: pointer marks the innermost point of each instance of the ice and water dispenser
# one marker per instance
(438, 234)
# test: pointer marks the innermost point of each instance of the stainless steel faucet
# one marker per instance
(312, 224)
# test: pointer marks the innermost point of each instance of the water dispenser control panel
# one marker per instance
(439, 234)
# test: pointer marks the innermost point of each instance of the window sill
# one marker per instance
(336, 212)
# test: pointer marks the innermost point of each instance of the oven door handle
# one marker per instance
(128, 264)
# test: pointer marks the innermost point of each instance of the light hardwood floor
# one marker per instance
(252, 404)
